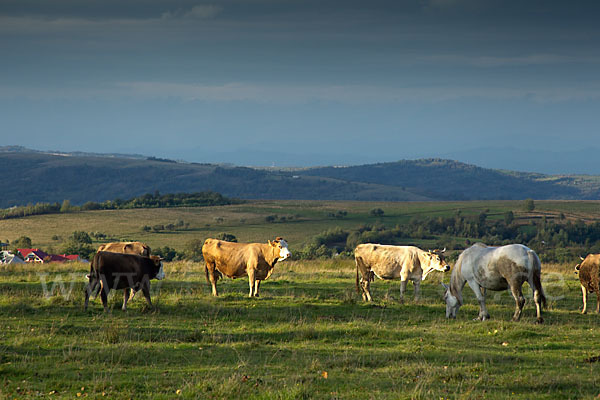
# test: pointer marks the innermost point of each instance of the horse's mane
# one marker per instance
(457, 281)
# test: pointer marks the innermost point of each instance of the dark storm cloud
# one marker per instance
(454, 72)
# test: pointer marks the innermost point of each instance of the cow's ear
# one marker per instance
(269, 241)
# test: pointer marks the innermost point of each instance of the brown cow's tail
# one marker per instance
(537, 282)
(206, 272)
(357, 280)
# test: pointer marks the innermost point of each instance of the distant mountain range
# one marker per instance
(34, 176)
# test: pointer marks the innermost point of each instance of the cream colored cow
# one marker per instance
(395, 262)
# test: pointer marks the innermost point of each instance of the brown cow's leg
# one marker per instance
(146, 292)
(251, 281)
(584, 291)
(125, 298)
(256, 287)
(210, 273)
(88, 291)
(104, 298)
(598, 301)
(104, 289)
(519, 301)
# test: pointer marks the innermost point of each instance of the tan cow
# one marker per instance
(395, 262)
(589, 278)
(139, 248)
(240, 259)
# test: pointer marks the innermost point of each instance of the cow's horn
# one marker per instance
(443, 251)
(581, 258)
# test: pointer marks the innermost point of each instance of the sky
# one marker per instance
(285, 82)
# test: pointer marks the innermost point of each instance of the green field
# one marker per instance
(308, 336)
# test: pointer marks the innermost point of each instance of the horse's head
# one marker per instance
(452, 303)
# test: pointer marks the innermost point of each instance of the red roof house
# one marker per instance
(33, 255)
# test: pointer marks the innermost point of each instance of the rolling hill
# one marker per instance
(33, 177)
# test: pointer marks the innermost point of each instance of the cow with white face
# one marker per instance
(395, 262)
(256, 260)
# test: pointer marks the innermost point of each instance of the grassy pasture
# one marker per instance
(308, 336)
(247, 221)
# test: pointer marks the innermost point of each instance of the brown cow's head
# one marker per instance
(159, 265)
(282, 246)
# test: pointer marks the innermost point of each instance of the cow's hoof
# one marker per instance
(584, 312)
(539, 321)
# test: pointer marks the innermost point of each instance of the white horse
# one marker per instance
(495, 268)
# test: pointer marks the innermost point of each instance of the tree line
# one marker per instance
(149, 200)
(554, 240)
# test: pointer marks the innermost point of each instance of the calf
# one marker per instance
(122, 271)
(589, 277)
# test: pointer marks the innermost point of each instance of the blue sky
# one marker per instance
(264, 82)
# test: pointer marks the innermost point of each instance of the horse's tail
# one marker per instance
(537, 271)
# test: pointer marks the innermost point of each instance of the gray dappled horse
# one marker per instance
(495, 268)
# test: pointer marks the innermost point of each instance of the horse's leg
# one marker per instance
(584, 291)
(403, 288)
(483, 314)
(517, 293)
(537, 298)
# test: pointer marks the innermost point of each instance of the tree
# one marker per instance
(81, 237)
(528, 205)
(193, 249)
(168, 253)
(377, 212)
(509, 217)
(23, 242)
(66, 206)
(228, 237)
(79, 243)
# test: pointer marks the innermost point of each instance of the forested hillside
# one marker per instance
(36, 177)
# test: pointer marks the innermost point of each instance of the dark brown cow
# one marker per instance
(240, 259)
(122, 271)
(138, 248)
(589, 277)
